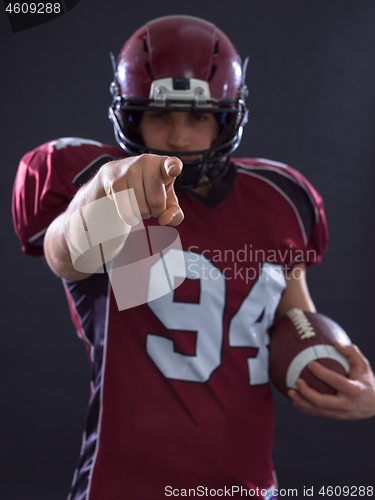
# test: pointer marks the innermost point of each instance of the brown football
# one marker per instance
(298, 338)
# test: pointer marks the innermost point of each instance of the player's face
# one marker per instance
(178, 131)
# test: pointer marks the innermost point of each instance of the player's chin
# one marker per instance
(187, 158)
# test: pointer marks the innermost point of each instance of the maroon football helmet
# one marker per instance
(180, 63)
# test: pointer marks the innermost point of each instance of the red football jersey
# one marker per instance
(180, 391)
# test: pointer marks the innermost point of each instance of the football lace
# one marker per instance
(302, 324)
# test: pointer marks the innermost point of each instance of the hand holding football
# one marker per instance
(298, 338)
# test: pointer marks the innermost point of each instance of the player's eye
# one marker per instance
(200, 117)
(157, 115)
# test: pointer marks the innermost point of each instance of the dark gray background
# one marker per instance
(312, 104)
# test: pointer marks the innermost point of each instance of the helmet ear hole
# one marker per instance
(130, 121)
(227, 125)
(223, 119)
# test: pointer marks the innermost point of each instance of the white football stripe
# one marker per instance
(310, 354)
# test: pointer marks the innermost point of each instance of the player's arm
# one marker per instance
(355, 397)
(296, 293)
(150, 176)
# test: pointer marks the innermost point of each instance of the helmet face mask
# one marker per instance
(150, 75)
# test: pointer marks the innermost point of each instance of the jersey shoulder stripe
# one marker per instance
(90, 170)
(298, 192)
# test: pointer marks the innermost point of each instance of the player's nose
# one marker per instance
(179, 136)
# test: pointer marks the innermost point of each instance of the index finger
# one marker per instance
(335, 380)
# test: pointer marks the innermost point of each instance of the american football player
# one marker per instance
(180, 394)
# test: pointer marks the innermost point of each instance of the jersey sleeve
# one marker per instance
(46, 181)
(317, 242)
(305, 200)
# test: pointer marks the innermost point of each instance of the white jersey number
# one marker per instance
(248, 327)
